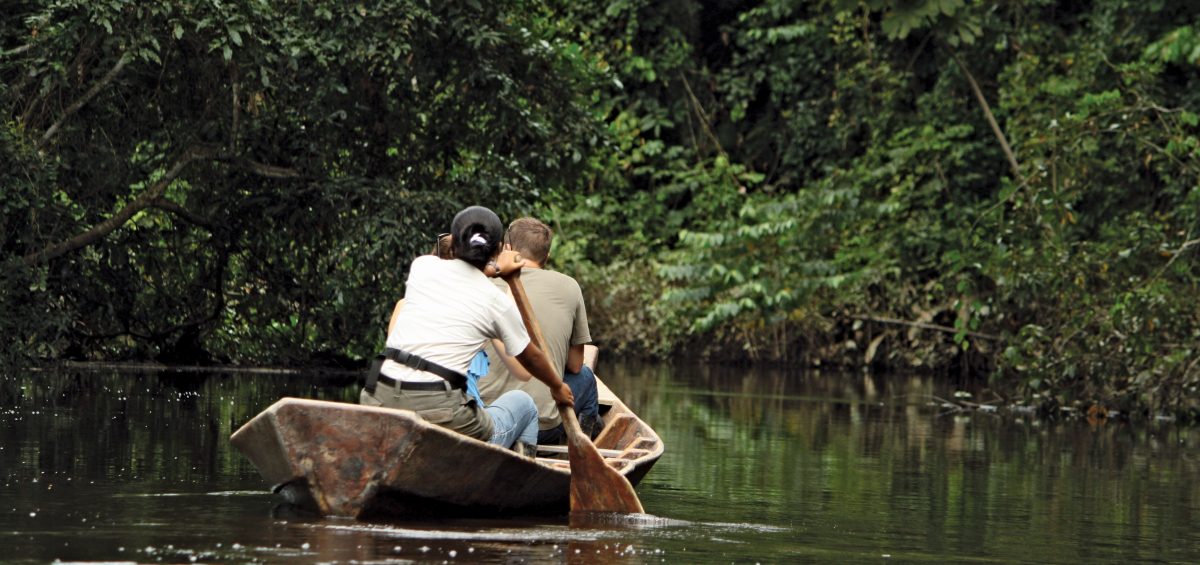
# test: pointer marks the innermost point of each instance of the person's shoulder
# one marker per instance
(555, 276)
(497, 291)
(567, 283)
(425, 261)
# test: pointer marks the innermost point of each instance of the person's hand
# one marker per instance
(562, 396)
(508, 264)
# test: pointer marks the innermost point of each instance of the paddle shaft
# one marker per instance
(595, 487)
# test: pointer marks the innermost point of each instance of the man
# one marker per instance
(558, 306)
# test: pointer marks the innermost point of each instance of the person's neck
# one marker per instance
(531, 264)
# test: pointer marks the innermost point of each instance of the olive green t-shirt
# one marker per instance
(558, 304)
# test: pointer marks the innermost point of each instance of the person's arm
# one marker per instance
(575, 359)
(536, 362)
(514, 367)
(395, 314)
(580, 333)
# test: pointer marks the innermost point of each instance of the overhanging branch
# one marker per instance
(260, 169)
(17, 50)
(106, 227)
(162, 203)
(87, 96)
(991, 118)
(924, 326)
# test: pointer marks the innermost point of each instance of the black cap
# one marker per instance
(477, 233)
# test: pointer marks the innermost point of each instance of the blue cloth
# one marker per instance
(514, 416)
(478, 369)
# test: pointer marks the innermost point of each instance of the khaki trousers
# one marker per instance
(452, 408)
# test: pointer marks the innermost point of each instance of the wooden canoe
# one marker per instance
(342, 459)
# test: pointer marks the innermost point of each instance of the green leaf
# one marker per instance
(891, 27)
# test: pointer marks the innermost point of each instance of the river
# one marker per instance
(761, 466)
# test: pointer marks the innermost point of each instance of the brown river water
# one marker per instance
(761, 466)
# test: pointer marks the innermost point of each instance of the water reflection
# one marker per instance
(860, 462)
(761, 466)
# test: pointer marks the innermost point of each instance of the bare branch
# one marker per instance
(924, 326)
(260, 169)
(173, 207)
(703, 118)
(1174, 255)
(106, 227)
(17, 50)
(236, 118)
(153, 197)
(87, 96)
(991, 119)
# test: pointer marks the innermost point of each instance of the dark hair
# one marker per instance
(443, 246)
(477, 232)
(531, 237)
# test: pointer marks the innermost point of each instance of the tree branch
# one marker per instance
(1174, 255)
(991, 119)
(236, 118)
(162, 203)
(699, 109)
(153, 197)
(17, 50)
(260, 169)
(106, 227)
(924, 326)
(87, 96)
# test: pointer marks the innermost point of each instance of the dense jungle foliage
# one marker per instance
(993, 189)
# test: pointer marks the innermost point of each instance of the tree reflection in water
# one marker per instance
(761, 465)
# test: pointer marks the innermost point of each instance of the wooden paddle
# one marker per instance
(595, 487)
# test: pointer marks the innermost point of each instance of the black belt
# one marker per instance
(456, 380)
(413, 385)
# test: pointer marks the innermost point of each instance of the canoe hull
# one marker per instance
(366, 462)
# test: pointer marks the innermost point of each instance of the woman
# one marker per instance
(450, 310)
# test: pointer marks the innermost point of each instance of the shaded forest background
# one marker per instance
(1005, 190)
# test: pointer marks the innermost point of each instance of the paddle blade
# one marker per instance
(595, 487)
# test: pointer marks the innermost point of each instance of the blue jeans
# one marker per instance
(514, 417)
(583, 387)
(587, 402)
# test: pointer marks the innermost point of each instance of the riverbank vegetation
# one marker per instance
(1006, 191)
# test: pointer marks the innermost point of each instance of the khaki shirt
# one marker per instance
(558, 304)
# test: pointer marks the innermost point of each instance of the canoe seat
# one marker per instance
(632, 453)
(618, 464)
(562, 450)
(556, 463)
(646, 443)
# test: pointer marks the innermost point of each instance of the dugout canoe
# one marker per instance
(342, 459)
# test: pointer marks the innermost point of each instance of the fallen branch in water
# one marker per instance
(924, 326)
(149, 367)
(965, 405)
